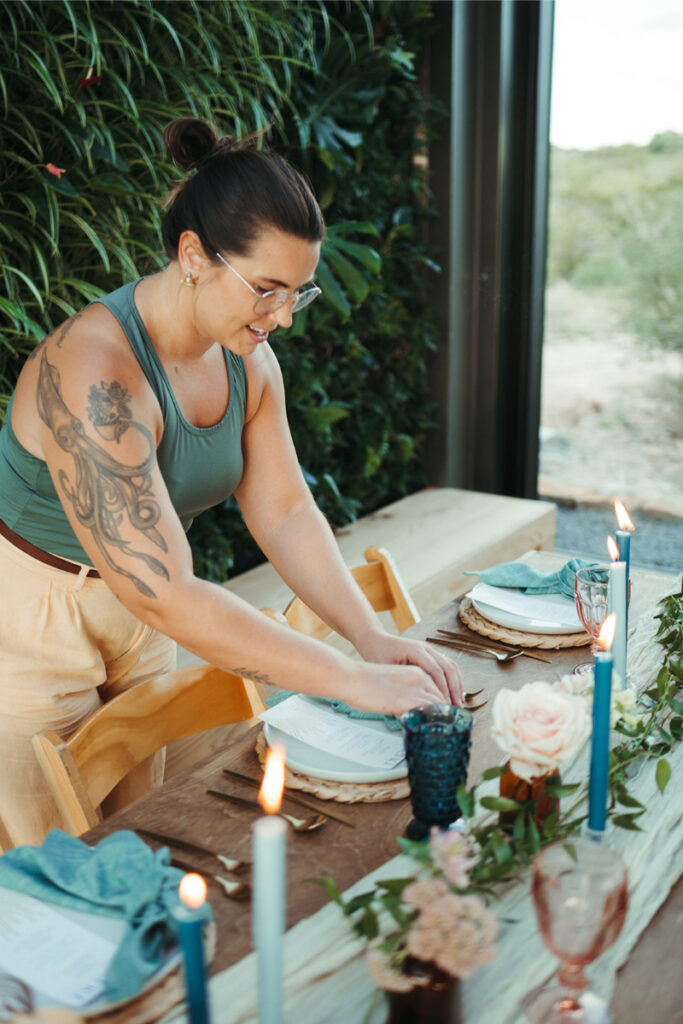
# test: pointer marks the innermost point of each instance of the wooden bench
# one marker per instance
(432, 535)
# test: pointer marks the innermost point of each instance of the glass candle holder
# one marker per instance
(437, 743)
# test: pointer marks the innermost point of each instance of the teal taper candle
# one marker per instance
(602, 702)
(190, 915)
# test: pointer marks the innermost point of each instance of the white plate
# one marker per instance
(302, 757)
(523, 623)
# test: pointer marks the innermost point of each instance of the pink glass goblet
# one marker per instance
(580, 893)
(591, 586)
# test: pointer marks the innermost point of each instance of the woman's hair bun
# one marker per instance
(189, 141)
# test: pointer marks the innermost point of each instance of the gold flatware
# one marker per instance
(498, 644)
(233, 890)
(185, 844)
(480, 652)
(303, 801)
(309, 824)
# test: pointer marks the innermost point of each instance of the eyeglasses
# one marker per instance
(270, 302)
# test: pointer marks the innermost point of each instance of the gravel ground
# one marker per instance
(655, 544)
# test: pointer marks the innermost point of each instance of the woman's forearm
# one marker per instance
(320, 578)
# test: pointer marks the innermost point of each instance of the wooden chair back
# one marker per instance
(381, 583)
(83, 770)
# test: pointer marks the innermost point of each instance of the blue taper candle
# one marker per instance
(190, 915)
(599, 765)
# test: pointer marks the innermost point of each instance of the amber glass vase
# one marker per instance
(514, 788)
(437, 1002)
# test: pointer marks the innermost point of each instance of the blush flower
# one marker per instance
(386, 976)
(451, 854)
(53, 169)
(538, 727)
(456, 932)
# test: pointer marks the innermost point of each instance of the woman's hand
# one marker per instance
(384, 649)
(391, 689)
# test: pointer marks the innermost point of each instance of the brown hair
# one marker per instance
(234, 193)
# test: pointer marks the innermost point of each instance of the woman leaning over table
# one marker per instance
(148, 406)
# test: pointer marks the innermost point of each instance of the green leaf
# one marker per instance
(394, 885)
(332, 293)
(627, 821)
(663, 683)
(501, 849)
(330, 887)
(465, 800)
(60, 184)
(676, 727)
(499, 803)
(353, 280)
(533, 838)
(369, 924)
(662, 774)
(494, 773)
(560, 790)
(363, 900)
(623, 797)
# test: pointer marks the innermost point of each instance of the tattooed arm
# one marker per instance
(98, 428)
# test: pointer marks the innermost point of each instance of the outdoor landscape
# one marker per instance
(612, 392)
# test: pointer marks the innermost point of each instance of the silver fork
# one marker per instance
(476, 649)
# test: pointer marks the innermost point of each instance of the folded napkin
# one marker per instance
(390, 721)
(532, 581)
(120, 877)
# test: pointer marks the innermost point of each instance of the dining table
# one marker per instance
(326, 978)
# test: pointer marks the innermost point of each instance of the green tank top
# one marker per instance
(201, 466)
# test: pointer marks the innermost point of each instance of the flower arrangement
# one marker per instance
(435, 920)
(539, 727)
(624, 701)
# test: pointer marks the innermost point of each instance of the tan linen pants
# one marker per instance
(67, 645)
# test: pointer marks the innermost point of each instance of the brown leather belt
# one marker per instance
(43, 556)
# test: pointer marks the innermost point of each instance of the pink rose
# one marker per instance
(538, 727)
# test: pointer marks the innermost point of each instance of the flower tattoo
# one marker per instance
(108, 410)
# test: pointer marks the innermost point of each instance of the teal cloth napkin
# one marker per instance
(120, 877)
(532, 581)
(390, 721)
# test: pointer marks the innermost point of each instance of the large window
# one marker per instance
(612, 381)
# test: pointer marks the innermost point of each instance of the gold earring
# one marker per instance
(187, 280)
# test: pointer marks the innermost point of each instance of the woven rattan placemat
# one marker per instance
(552, 641)
(344, 792)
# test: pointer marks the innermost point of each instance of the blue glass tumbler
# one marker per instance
(437, 742)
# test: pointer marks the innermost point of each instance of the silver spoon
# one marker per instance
(476, 649)
(233, 890)
(309, 824)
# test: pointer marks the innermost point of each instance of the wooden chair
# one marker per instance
(83, 770)
(380, 582)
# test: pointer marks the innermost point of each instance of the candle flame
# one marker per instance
(607, 631)
(613, 549)
(192, 890)
(270, 793)
(623, 518)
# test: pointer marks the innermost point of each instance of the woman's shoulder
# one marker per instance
(264, 377)
(90, 340)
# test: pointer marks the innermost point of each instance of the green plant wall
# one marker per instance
(85, 90)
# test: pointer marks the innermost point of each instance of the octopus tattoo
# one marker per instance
(106, 492)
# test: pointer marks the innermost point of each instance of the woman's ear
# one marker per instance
(192, 258)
